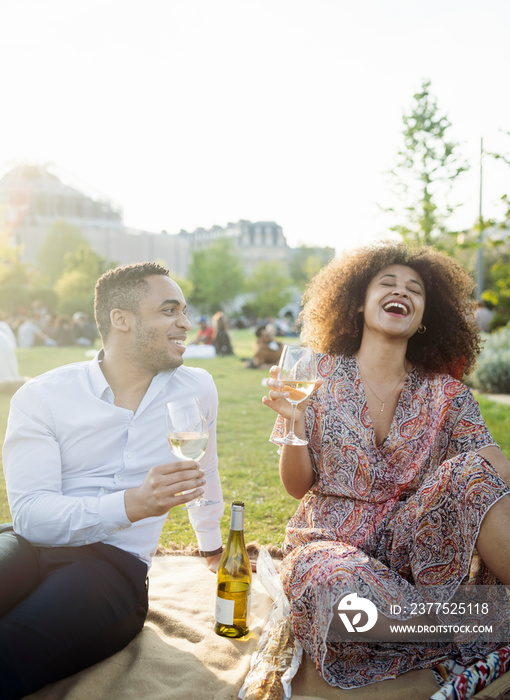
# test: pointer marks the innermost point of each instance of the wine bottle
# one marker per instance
(234, 580)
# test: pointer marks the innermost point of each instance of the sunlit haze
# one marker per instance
(190, 113)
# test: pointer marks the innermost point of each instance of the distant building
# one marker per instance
(33, 197)
(256, 242)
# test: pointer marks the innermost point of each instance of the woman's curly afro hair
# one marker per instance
(332, 322)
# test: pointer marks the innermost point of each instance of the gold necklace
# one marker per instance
(381, 401)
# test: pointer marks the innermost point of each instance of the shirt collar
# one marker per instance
(100, 386)
(102, 389)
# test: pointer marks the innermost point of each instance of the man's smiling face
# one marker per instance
(160, 326)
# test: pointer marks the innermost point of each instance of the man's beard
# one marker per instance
(147, 353)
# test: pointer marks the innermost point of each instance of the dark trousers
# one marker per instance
(63, 609)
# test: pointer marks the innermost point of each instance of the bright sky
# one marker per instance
(192, 113)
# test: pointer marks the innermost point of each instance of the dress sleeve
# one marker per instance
(469, 432)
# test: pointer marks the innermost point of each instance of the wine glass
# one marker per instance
(188, 434)
(297, 369)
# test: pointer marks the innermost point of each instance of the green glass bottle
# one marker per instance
(234, 580)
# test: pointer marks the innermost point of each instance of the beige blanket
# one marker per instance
(178, 656)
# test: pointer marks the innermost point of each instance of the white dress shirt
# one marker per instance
(70, 453)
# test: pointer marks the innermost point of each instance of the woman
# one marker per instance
(221, 337)
(267, 350)
(401, 478)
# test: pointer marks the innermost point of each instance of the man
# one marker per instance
(85, 331)
(90, 479)
(29, 334)
(205, 333)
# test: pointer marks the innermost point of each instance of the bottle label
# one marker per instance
(224, 611)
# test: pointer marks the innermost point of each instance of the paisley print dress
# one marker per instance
(386, 521)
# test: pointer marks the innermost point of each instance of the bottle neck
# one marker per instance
(237, 518)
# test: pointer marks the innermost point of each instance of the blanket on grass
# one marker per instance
(178, 656)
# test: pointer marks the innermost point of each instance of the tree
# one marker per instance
(498, 294)
(75, 287)
(217, 276)
(306, 263)
(14, 280)
(271, 287)
(425, 171)
(497, 256)
(12, 270)
(62, 238)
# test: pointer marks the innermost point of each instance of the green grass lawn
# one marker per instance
(248, 462)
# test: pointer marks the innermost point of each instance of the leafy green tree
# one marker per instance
(12, 270)
(14, 296)
(306, 263)
(271, 287)
(498, 292)
(497, 271)
(217, 276)
(14, 280)
(75, 286)
(496, 259)
(62, 238)
(425, 170)
(20, 286)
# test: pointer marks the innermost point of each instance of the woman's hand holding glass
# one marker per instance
(291, 384)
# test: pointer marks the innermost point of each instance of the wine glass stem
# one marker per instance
(292, 418)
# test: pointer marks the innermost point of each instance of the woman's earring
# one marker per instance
(422, 329)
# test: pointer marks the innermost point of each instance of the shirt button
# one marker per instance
(107, 491)
(119, 478)
(129, 455)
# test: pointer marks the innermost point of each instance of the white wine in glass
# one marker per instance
(188, 436)
(297, 370)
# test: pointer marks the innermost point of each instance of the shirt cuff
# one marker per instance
(112, 512)
(209, 541)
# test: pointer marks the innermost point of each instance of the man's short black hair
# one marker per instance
(122, 288)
